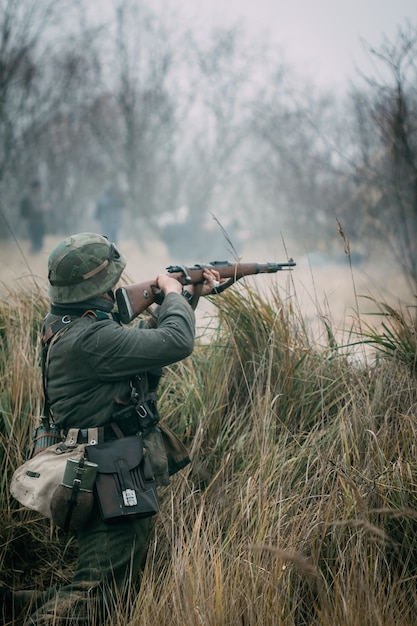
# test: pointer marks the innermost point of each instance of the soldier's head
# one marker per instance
(83, 266)
(35, 186)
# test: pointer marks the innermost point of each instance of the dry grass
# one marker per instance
(300, 506)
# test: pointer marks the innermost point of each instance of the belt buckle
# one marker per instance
(83, 435)
(141, 411)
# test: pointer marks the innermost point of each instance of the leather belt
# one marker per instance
(129, 421)
(105, 433)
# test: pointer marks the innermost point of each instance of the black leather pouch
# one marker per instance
(125, 485)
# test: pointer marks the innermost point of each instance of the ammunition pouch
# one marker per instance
(167, 453)
(133, 419)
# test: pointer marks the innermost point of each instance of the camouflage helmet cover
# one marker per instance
(83, 266)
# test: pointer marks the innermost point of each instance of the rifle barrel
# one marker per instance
(227, 269)
(269, 268)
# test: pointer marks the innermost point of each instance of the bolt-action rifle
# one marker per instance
(134, 299)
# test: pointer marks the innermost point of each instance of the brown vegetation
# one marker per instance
(300, 507)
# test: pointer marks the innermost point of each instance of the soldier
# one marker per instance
(109, 208)
(93, 362)
(33, 209)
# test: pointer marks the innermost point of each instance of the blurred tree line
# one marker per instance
(193, 127)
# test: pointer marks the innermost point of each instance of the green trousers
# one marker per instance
(109, 562)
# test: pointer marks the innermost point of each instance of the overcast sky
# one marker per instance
(319, 38)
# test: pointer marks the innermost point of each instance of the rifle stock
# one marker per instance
(134, 299)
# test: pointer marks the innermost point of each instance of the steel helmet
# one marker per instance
(83, 266)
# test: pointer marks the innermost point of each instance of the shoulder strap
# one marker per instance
(50, 334)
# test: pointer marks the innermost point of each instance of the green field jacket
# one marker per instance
(91, 364)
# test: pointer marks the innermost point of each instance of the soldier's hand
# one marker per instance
(168, 284)
(211, 281)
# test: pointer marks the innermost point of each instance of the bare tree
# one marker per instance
(132, 118)
(222, 71)
(386, 168)
(35, 83)
(171, 118)
(297, 163)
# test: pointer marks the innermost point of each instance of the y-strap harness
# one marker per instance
(140, 415)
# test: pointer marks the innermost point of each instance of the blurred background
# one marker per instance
(197, 133)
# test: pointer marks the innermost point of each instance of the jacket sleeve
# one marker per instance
(116, 352)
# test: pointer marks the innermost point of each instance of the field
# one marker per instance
(300, 507)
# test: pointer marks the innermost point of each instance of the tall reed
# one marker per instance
(299, 507)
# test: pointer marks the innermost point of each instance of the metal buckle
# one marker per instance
(141, 411)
